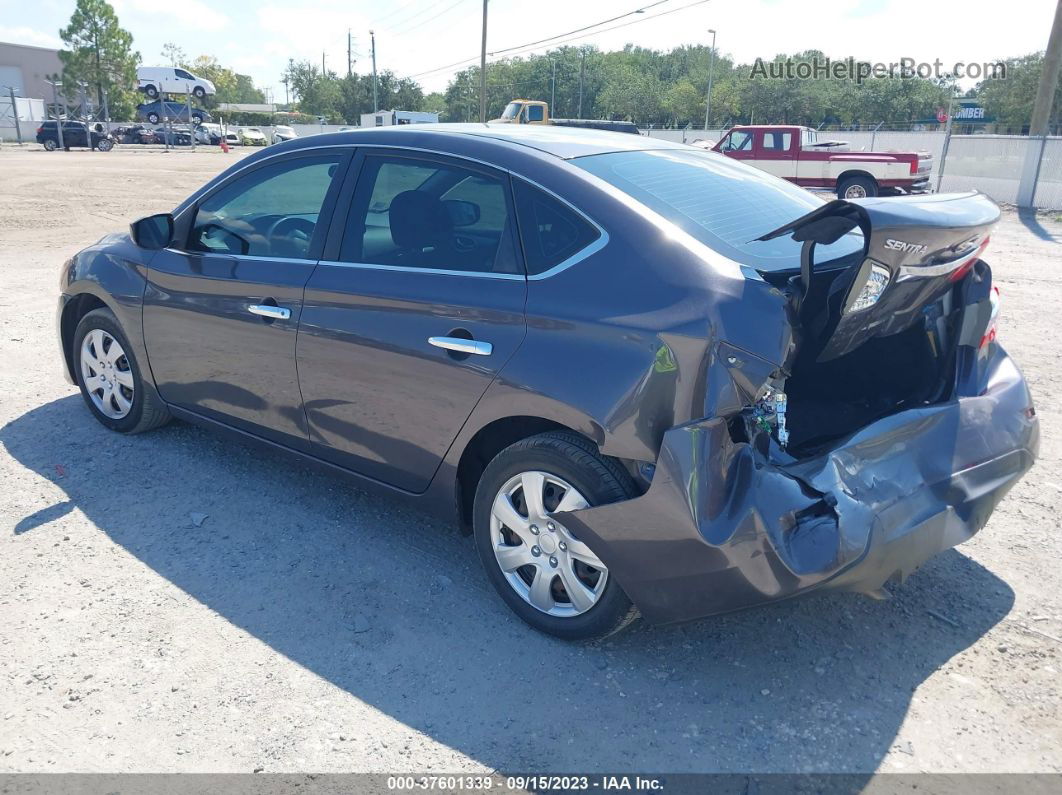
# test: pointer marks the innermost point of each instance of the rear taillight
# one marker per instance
(40, 130)
(993, 319)
(962, 270)
(914, 166)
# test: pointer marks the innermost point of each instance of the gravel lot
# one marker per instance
(170, 602)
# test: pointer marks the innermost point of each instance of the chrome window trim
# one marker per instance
(575, 258)
(372, 266)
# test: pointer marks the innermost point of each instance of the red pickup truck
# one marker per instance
(796, 154)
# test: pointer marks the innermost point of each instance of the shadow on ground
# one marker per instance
(390, 605)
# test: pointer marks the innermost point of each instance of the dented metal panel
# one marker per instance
(726, 526)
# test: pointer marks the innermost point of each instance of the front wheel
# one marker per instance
(547, 575)
(110, 378)
(105, 145)
(153, 118)
(199, 92)
(50, 145)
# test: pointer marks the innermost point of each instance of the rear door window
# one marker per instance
(551, 231)
(411, 212)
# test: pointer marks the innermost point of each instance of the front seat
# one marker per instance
(422, 230)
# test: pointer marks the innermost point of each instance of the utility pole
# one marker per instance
(323, 73)
(14, 113)
(483, 69)
(1045, 94)
(375, 100)
(350, 56)
(582, 73)
(55, 101)
(553, 87)
(711, 66)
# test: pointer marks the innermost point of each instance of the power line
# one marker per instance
(404, 30)
(641, 10)
(534, 45)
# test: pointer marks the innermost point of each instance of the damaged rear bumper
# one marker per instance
(722, 528)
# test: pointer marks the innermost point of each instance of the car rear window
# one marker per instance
(722, 203)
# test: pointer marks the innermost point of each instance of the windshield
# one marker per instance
(723, 203)
(512, 110)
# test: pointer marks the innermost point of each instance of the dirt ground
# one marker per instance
(303, 625)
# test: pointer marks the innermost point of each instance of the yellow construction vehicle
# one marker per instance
(535, 111)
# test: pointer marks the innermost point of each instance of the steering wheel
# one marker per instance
(290, 236)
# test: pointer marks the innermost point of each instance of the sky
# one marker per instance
(257, 37)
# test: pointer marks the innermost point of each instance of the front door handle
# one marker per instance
(462, 345)
(270, 311)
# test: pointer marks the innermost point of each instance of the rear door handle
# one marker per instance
(462, 345)
(267, 310)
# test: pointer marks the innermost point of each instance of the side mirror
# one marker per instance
(154, 232)
(462, 213)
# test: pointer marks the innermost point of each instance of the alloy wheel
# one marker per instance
(106, 374)
(543, 562)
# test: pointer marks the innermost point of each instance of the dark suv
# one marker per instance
(75, 133)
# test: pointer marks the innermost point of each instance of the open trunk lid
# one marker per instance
(915, 249)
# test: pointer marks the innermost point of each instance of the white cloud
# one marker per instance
(27, 35)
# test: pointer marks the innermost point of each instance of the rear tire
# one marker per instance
(110, 378)
(857, 187)
(565, 464)
(105, 145)
(153, 118)
(152, 91)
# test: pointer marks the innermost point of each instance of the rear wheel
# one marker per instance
(152, 91)
(110, 378)
(857, 187)
(544, 572)
(105, 145)
(153, 118)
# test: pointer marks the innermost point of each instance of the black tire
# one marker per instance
(197, 119)
(199, 92)
(50, 145)
(153, 118)
(152, 91)
(860, 187)
(148, 411)
(105, 145)
(600, 480)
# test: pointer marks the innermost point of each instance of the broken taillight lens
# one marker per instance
(993, 319)
(875, 285)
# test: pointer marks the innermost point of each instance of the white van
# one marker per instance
(153, 80)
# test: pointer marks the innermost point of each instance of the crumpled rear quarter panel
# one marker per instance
(722, 527)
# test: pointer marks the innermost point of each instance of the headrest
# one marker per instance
(419, 221)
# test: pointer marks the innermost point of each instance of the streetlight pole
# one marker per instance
(375, 101)
(711, 65)
(483, 70)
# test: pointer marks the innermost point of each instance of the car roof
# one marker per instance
(562, 142)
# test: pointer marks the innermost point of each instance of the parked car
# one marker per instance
(177, 136)
(798, 155)
(153, 80)
(252, 136)
(232, 139)
(75, 133)
(282, 132)
(154, 112)
(210, 134)
(637, 401)
(134, 134)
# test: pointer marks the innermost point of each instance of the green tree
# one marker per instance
(173, 53)
(99, 54)
(1011, 100)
